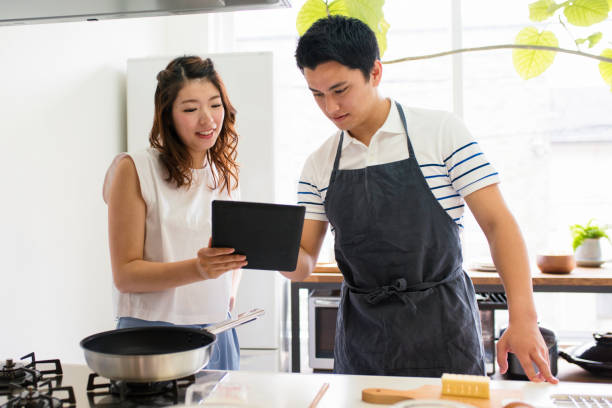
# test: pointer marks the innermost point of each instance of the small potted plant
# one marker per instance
(586, 243)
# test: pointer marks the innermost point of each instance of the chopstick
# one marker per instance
(319, 395)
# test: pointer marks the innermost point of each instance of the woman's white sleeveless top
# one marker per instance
(178, 224)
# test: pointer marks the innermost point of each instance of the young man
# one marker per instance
(392, 182)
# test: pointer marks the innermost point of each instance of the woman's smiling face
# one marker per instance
(197, 114)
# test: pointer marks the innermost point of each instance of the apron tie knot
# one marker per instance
(378, 295)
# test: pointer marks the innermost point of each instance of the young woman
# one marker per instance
(159, 204)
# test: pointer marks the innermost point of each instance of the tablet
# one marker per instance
(268, 234)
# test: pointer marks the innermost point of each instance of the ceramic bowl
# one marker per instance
(426, 403)
(552, 263)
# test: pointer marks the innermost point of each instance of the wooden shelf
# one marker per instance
(579, 277)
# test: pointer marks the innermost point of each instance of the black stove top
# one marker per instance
(28, 383)
(31, 383)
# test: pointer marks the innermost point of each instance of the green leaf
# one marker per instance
(577, 241)
(339, 7)
(605, 68)
(531, 63)
(371, 13)
(381, 35)
(542, 9)
(584, 13)
(310, 12)
(368, 11)
(592, 39)
(582, 232)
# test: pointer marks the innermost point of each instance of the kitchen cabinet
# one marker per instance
(327, 276)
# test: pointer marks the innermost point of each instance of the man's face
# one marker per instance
(342, 93)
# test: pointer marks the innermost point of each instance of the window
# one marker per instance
(550, 137)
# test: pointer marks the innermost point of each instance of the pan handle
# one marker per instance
(231, 323)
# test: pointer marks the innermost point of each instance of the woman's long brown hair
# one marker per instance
(163, 137)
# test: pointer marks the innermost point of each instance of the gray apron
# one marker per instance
(407, 307)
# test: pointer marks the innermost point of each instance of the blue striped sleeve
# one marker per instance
(312, 197)
(469, 170)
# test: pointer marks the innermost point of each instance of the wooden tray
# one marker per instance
(387, 396)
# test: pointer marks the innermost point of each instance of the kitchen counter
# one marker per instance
(298, 390)
(581, 279)
(269, 389)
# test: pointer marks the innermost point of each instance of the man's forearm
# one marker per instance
(510, 256)
(305, 266)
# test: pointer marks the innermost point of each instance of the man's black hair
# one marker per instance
(346, 40)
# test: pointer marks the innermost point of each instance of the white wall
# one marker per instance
(62, 120)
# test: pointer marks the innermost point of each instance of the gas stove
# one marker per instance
(31, 383)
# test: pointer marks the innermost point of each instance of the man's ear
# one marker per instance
(376, 73)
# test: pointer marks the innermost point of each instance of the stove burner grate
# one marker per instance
(32, 397)
(161, 393)
(25, 374)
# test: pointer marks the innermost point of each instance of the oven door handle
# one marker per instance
(326, 302)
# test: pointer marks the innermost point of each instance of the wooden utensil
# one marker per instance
(387, 396)
(319, 395)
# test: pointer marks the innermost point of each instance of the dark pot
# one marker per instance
(595, 356)
(515, 371)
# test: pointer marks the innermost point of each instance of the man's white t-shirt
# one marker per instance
(450, 159)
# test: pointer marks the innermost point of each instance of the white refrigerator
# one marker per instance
(248, 79)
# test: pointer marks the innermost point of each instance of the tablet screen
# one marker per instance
(268, 234)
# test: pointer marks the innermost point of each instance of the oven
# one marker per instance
(323, 308)
(322, 311)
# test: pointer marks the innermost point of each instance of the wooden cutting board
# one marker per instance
(387, 396)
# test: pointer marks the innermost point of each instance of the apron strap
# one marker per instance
(399, 286)
(403, 118)
(336, 160)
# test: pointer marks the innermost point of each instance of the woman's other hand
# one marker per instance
(214, 262)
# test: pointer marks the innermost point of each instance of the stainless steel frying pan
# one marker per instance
(149, 354)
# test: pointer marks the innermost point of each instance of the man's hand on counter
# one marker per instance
(526, 343)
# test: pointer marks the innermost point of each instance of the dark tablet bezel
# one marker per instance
(268, 234)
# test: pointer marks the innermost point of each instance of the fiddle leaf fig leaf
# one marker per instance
(381, 36)
(368, 11)
(605, 68)
(584, 13)
(339, 7)
(310, 12)
(542, 9)
(371, 13)
(314, 10)
(531, 63)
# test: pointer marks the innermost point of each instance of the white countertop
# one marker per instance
(266, 389)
